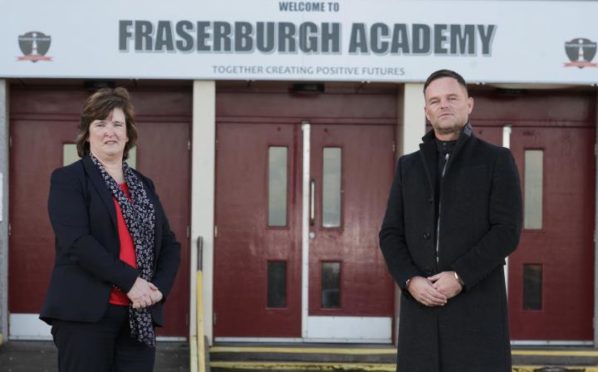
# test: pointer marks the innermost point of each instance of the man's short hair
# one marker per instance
(445, 73)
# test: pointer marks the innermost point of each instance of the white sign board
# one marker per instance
(337, 40)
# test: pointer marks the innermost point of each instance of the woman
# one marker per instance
(116, 258)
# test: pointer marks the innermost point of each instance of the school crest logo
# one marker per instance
(581, 52)
(34, 45)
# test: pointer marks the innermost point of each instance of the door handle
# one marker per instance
(312, 202)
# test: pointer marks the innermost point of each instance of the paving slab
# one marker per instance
(40, 356)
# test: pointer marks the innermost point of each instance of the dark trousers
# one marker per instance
(105, 346)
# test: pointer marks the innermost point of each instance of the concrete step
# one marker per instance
(374, 358)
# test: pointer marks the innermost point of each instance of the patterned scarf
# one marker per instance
(140, 218)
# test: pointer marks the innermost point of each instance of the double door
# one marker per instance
(551, 274)
(298, 208)
(551, 291)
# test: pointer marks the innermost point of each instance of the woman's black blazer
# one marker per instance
(87, 262)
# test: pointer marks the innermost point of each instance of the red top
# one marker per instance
(127, 249)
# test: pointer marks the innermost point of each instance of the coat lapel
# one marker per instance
(428, 155)
(466, 134)
(158, 221)
(98, 182)
(153, 197)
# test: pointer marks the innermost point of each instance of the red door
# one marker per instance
(259, 243)
(42, 122)
(163, 155)
(493, 135)
(258, 252)
(347, 274)
(36, 150)
(551, 276)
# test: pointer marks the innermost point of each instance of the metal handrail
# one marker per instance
(199, 253)
(198, 343)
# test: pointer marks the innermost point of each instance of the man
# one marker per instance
(453, 216)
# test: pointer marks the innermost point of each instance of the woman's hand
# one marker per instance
(143, 293)
(156, 295)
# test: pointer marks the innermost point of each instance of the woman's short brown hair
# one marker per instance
(97, 107)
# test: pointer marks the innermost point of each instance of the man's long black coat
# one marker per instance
(480, 224)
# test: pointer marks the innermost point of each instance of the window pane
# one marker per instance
(331, 187)
(331, 291)
(277, 284)
(532, 287)
(534, 170)
(69, 154)
(132, 160)
(277, 186)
